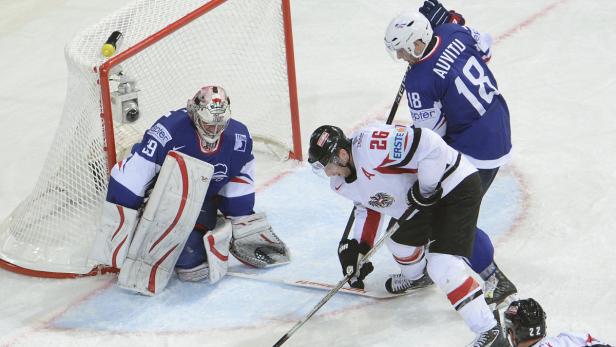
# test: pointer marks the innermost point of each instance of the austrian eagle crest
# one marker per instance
(381, 200)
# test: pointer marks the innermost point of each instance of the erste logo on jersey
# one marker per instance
(381, 200)
(160, 134)
(399, 142)
(240, 143)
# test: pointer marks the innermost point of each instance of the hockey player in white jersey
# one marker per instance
(388, 169)
(525, 327)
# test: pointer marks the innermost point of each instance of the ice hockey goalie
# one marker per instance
(198, 163)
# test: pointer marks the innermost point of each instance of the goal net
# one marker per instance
(169, 49)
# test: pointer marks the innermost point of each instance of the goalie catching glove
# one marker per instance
(255, 243)
(350, 253)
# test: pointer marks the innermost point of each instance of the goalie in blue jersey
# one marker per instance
(451, 90)
(198, 164)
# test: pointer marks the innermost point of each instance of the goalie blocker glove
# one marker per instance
(350, 253)
(437, 14)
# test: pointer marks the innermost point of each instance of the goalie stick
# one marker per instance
(390, 119)
(408, 214)
(311, 284)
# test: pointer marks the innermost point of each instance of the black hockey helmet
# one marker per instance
(524, 320)
(325, 142)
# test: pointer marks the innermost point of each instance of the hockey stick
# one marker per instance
(408, 214)
(311, 284)
(390, 119)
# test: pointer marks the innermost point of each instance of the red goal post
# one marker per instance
(169, 50)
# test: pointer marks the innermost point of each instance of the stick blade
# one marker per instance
(315, 284)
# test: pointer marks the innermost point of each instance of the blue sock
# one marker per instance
(193, 253)
(482, 260)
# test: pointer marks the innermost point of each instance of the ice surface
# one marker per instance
(550, 212)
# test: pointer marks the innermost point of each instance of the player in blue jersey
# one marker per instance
(203, 130)
(451, 91)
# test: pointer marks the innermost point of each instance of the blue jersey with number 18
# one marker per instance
(453, 92)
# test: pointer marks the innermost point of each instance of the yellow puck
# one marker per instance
(108, 50)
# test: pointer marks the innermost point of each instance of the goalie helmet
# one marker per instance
(210, 111)
(524, 320)
(404, 30)
(325, 142)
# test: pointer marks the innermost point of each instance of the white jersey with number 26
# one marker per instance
(388, 160)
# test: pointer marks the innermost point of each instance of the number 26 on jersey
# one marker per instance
(379, 140)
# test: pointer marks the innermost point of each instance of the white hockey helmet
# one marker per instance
(210, 110)
(404, 30)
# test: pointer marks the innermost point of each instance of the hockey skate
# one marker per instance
(498, 290)
(491, 338)
(397, 284)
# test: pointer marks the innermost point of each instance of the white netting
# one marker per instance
(239, 45)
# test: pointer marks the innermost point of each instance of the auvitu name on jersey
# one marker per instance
(447, 57)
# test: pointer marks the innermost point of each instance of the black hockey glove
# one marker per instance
(350, 253)
(419, 201)
(437, 14)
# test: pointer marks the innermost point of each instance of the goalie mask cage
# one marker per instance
(170, 49)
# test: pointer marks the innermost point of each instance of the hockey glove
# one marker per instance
(437, 14)
(350, 253)
(419, 201)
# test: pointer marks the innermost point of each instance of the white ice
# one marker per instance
(550, 212)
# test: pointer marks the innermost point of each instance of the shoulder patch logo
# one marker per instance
(381, 200)
(240, 143)
(357, 140)
(160, 134)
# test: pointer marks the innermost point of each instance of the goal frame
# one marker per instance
(106, 115)
(105, 68)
